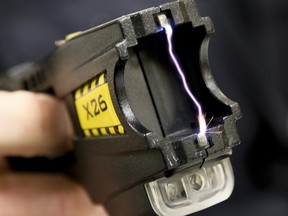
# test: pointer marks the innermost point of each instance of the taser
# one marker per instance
(153, 132)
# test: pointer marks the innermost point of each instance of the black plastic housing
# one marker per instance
(159, 119)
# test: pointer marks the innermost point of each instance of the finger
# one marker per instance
(4, 167)
(45, 195)
(33, 124)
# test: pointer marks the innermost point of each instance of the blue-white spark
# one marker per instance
(201, 118)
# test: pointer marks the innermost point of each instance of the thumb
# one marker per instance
(33, 124)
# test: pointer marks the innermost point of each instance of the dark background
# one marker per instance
(248, 56)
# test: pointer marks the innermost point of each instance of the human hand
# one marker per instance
(36, 125)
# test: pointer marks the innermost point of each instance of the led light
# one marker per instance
(192, 189)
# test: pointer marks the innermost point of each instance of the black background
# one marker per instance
(248, 56)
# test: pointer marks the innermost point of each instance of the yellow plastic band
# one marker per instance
(95, 109)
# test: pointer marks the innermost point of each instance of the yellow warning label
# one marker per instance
(96, 113)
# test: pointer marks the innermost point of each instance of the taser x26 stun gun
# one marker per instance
(153, 131)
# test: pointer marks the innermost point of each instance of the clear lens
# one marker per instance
(192, 189)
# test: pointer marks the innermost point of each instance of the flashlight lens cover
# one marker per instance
(192, 189)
